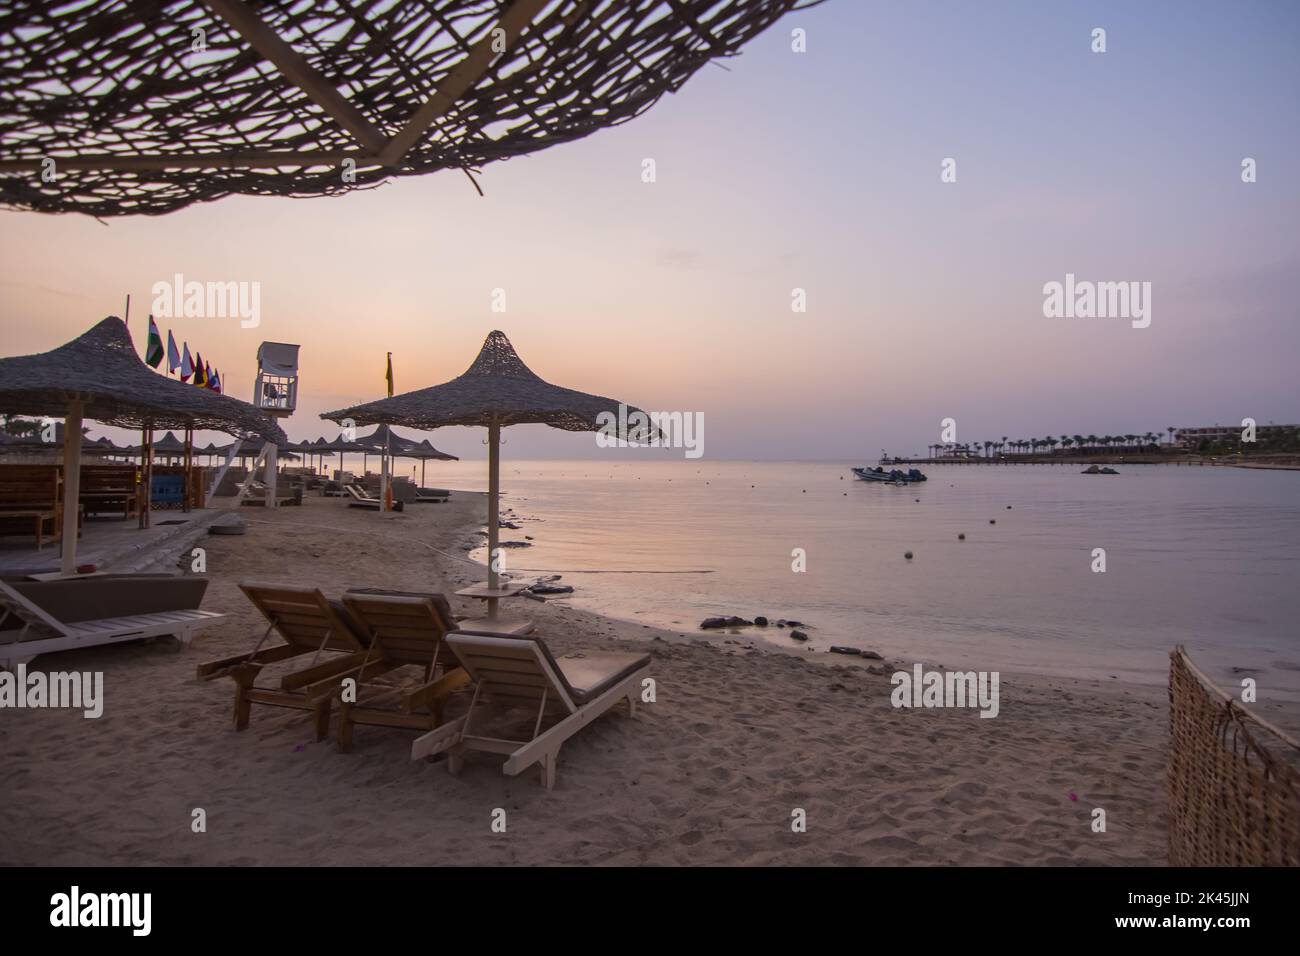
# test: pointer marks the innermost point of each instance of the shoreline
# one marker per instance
(1192, 461)
(709, 773)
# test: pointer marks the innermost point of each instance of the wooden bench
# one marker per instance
(114, 488)
(31, 498)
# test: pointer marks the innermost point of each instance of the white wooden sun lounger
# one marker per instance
(509, 672)
(359, 499)
(42, 633)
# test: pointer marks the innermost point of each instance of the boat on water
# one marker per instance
(892, 477)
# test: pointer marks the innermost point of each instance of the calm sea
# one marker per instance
(1207, 557)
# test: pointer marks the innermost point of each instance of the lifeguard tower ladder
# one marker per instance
(275, 392)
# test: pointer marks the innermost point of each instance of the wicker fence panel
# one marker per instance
(1234, 791)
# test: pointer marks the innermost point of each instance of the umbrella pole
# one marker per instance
(146, 470)
(71, 485)
(383, 475)
(423, 462)
(188, 462)
(494, 518)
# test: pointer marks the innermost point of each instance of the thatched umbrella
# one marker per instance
(389, 443)
(169, 446)
(318, 450)
(424, 453)
(342, 446)
(396, 88)
(98, 375)
(496, 391)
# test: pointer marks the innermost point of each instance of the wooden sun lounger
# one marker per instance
(309, 624)
(43, 633)
(510, 672)
(404, 629)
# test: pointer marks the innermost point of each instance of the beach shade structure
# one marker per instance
(388, 442)
(36, 439)
(169, 446)
(341, 446)
(286, 96)
(99, 376)
(496, 391)
(320, 448)
(210, 450)
(424, 453)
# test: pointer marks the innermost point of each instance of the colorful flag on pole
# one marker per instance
(199, 378)
(216, 381)
(389, 376)
(153, 353)
(173, 357)
(207, 375)
(187, 364)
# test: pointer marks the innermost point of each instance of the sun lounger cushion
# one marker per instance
(96, 597)
(587, 676)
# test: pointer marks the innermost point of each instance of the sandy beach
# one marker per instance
(741, 734)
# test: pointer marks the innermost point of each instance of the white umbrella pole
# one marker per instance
(71, 485)
(494, 518)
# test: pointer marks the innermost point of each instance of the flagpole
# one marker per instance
(127, 321)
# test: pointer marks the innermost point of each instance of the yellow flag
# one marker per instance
(389, 376)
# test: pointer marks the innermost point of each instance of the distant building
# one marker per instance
(1192, 437)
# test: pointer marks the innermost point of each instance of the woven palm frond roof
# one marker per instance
(498, 387)
(101, 369)
(147, 106)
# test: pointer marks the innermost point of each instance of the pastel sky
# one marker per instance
(817, 170)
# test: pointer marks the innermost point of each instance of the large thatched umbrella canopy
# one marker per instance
(99, 376)
(497, 390)
(287, 96)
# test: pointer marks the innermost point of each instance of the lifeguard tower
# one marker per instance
(275, 392)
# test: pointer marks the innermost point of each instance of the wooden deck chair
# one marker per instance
(309, 624)
(39, 631)
(510, 672)
(404, 628)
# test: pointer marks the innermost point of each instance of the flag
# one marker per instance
(389, 376)
(207, 375)
(199, 380)
(216, 381)
(187, 364)
(153, 353)
(173, 357)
